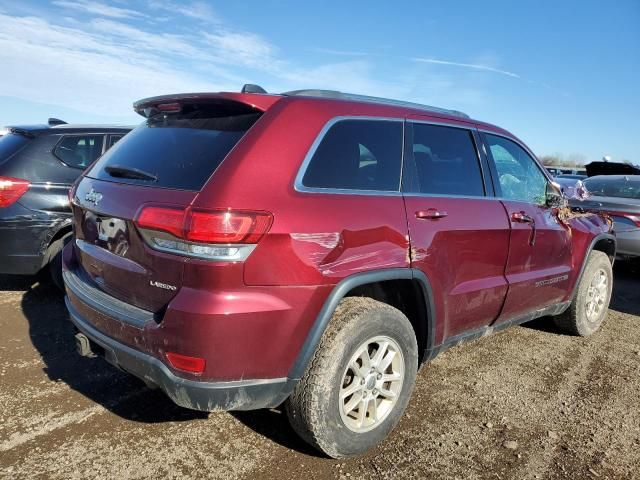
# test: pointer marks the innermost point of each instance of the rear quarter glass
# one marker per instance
(11, 144)
(181, 150)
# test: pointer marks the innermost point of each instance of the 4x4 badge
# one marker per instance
(93, 197)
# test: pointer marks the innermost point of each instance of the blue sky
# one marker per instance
(563, 76)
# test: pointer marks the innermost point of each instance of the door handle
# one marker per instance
(522, 217)
(430, 214)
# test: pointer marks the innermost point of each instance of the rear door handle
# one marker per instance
(430, 214)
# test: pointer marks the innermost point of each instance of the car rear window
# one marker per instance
(613, 187)
(177, 150)
(10, 144)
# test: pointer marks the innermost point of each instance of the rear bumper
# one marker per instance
(24, 236)
(196, 395)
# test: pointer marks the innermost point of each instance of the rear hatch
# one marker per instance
(152, 175)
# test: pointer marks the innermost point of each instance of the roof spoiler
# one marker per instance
(170, 103)
(55, 121)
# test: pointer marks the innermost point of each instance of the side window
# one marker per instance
(79, 151)
(358, 155)
(519, 176)
(113, 139)
(445, 162)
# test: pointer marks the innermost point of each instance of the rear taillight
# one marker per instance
(210, 234)
(634, 219)
(11, 189)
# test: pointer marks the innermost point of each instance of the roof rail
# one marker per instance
(368, 99)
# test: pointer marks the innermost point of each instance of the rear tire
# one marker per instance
(589, 307)
(349, 399)
(55, 260)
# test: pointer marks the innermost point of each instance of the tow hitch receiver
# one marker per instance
(83, 346)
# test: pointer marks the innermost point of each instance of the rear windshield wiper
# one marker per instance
(119, 171)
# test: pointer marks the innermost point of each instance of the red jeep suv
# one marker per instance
(241, 250)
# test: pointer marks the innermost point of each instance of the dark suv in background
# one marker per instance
(38, 164)
(240, 250)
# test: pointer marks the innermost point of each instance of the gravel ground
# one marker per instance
(523, 404)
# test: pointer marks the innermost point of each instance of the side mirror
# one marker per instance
(554, 196)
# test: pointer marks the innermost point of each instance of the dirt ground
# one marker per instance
(567, 407)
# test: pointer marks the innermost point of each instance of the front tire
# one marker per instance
(359, 380)
(589, 307)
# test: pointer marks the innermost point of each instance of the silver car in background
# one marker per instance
(619, 197)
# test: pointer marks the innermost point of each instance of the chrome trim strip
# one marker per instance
(436, 195)
(468, 126)
(244, 250)
(299, 187)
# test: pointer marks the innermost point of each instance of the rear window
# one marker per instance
(79, 151)
(613, 187)
(444, 162)
(176, 150)
(10, 144)
(357, 155)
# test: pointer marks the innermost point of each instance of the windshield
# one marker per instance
(623, 187)
(176, 150)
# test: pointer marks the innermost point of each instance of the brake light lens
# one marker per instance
(227, 226)
(170, 220)
(185, 363)
(635, 219)
(211, 234)
(11, 189)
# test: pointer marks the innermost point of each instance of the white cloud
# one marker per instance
(343, 53)
(467, 65)
(97, 8)
(102, 65)
(83, 71)
(198, 10)
(242, 48)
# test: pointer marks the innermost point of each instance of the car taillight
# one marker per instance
(11, 189)
(227, 226)
(170, 220)
(210, 234)
(635, 219)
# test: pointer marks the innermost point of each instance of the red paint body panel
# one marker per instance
(464, 255)
(538, 274)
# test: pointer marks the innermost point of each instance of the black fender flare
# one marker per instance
(601, 236)
(340, 291)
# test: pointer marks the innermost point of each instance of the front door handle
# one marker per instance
(430, 214)
(522, 217)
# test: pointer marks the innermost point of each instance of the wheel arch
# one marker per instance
(384, 285)
(65, 229)
(603, 242)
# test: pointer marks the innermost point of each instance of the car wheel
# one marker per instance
(589, 307)
(55, 260)
(359, 380)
